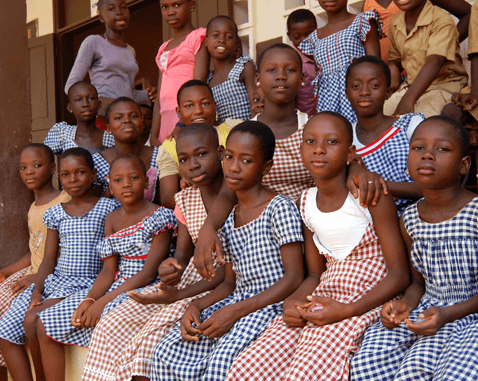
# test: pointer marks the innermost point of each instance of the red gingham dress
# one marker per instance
(124, 339)
(313, 352)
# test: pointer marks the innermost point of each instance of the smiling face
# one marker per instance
(409, 5)
(367, 89)
(177, 13)
(115, 14)
(76, 176)
(196, 105)
(36, 169)
(127, 181)
(221, 39)
(300, 30)
(83, 102)
(125, 122)
(436, 159)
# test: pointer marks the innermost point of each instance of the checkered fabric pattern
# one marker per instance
(62, 136)
(288, 175)
(333, 55)
(313, 352)
(231, 95)
(388, 154)
(123, 341)
(132, 245)
(254, 250)
(445, 254)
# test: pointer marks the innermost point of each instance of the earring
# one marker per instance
(407, 171)
(177, 115)
(348, 163)
(258, 83)
(302, 84)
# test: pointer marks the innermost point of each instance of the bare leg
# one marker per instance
(17, 361)
(54, 362)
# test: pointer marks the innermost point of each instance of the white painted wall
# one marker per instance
(43, 11)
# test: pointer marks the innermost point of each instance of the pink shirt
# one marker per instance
(306, 101)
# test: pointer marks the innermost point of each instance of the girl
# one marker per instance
(232, 81)
(179, 59)
(138, 239)
(122, 342)
(262, 239)
(76, 227)
(147, 114)
(355, 260)
(382, 141)
(108, 59)
(125, 123)
(84, 105)
(334, 46)
(37, 166)
(432, 331)
(279, 77)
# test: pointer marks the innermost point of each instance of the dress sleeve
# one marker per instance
(362, 22)
(307, 46)
(415, 120)
(105, 248)
(180, 217)
(51, 218)
(473, 30)
(83, 62)
(108, 140)
(166, 164)
(159, 221)
(286, 222)
(102, 171)
(195, 39)
(55, 138)
(224, 236)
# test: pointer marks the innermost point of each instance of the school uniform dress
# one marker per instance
(62, 137)
(355, 265)
(254, 250)
(132, 245)
(231, 95)
(333, 55)
(103, 170)
(445, 254)
(77, 267)
(389, 153)
(123, 341)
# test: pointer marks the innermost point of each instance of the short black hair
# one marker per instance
(300, 15)
(343, 119)
(131, 157)
(262, 132)
(221, 17)
(192, 83)
(372, 60)
(145, 105)
(202, 129)
(79, 152)
(80, 83)
(47, 150)
(115, 102)
(461, 132)
(279, 45)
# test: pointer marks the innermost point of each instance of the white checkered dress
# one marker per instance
(388, 154)
(333, 55)
(132, 244)
(76, 268)
(313, 352)
(124, 339)
(445, 254)
(62, 136)
(254, 250)
(231, 95)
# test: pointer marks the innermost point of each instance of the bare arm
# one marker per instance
(168, 187)
(404, 189)
(396, 73)
(23, 262)
(248, 75)
(156, 123)
(372, 44)
(201, 63)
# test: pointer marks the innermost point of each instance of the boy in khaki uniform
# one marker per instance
(424, 42)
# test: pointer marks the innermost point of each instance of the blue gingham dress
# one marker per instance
(132, 244)
(231, 95)
(76, 268)
(388, 154)
(103, 169)
(333, 55)
(254, 250)
(446, 254)
(62, 136)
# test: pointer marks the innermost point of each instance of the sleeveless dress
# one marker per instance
(333, 55)
(445, 254)
(132, 244)
(321, 352)
(231, 95)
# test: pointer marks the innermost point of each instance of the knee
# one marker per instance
(30, 323)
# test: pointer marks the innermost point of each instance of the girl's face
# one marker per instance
(221, 39)
(257, 102)
(125, 122)
(127, 181)
(177, 13)
(435, 159)
(76, 176)
(115, 15)
(83, 103)
(367, 89)
(36, 170)
(243, 163)
(280, 75)
(325, 148)
(196, 106)
(333, 5)
(147, 121)
(199, 159)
